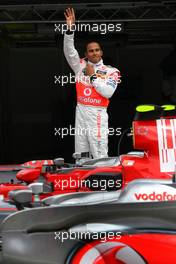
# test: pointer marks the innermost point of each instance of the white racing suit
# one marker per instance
(91, 126)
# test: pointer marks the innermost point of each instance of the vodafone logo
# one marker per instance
(87, 91)
(164, 196)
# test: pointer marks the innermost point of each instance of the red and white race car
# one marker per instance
(154, 138)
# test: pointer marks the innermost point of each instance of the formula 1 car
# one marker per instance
(136, 191)
(154, 132)
(96, 234)
(117, 230)
(133, 233)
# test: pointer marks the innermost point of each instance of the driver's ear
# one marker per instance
(101, 53)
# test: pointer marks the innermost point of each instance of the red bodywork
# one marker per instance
(157, 138)
(134, 248)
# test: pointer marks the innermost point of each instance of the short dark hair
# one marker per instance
(93, 41)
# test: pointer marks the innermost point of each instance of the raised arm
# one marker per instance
(70, 52)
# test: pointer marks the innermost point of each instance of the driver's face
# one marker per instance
(94, 52)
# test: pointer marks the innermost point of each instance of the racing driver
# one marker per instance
(95, 84)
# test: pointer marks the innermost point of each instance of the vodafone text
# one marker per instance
(164, 196)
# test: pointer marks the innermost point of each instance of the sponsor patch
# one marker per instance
(111, 83)
(101, 72)
(115, 76)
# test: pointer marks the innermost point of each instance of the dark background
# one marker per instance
(31, 54)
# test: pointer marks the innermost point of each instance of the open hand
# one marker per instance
(70, 17)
